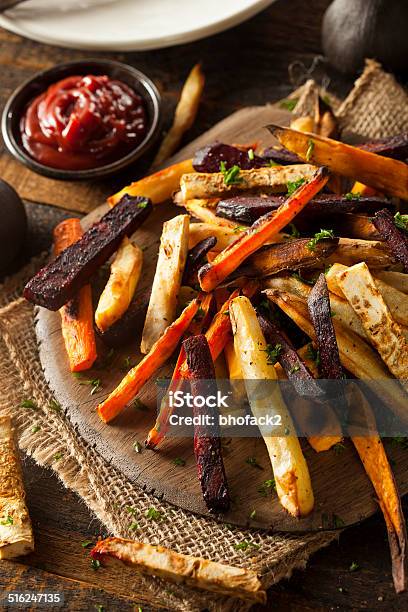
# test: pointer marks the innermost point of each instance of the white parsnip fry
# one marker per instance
(224, 235)
(184, 115)
(16, 534)
(290, 470)
(397, 280)
(162, 307)
(384, 333)
(118, 292)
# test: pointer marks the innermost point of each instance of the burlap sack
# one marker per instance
(51, 440)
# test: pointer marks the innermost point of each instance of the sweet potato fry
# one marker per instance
(383, 332)
(181, 569)
(140, 374)
(356, 355)
(158, 187)
(207, 442)
(397, 240)
(388, 175)
(258, 180)
(289, 467)
(378, 469)
(260, 232)
(184, 115)
(118, 292)
(77, 315)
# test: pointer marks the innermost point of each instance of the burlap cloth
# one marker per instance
(49, 437)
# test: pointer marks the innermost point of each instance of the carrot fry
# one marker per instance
(77, 315)
(159, 186)
(262, 230)
(157, 356)
(159, 430)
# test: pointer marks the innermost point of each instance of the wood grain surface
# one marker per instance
(343, 493)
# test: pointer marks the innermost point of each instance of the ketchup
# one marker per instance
(83, 122)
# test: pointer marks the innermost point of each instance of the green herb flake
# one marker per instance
(272, 163)
(226, 313)
(99, 608)
(354, 567)
(94, 383)
(291, 186)
(338, 521)
(324, 233)
(153, 514)
(339, 448)
(134, 526)
(401, 221)
(286, 431)
(179, 461)
(294, 369)
(29, 404)
(310, 147)
(131, 510)
(251, 155)
(58, 456)
(272, 353)
(253, 514)
(267, 487)
(8, 520)
(252, 461)
(95, 564)
(137, 446)
(239, 228)
(400, 441)
(54, 405)
(294, 232)
(245, 544)
(231, 176)
(313, 354)
(352, 196)
(87, 543)
(137, 404)
(142, 204)
(35, 429)
(289, 104)
(126, 365)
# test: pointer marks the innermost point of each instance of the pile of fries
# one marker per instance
(314, 226)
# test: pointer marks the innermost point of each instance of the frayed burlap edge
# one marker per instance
(50, 439)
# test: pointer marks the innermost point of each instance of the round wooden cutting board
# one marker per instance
(343, 493)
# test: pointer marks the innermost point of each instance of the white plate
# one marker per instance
(126, 25)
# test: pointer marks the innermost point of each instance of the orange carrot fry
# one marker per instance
(262, 230)
(157, 356)
(77, 315)
(160, 428)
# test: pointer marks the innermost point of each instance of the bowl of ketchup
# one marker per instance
(82, 120)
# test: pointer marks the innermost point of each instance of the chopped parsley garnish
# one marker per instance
(58, 456)
(239, 228)
(35, 429)
(95, 564)
(29, 404)
(142, 204)
(352, 196)
(272, 163)
(226, 313)
(253, 514)
(267, 487)
(131, 510)
(337, 521)
(291, 186)
(324, 233)
(137, 404)
(95, 383)
(99, 608)
(54, 405)
(179, 461)
(400, 441)
(294, 232)
(313, 354)
(286, 431)
(294, 369)
(289, 104)
(310, 147)
(354, 567)
(126, 365)
(7, 521)
(153, 514)
(137, 446)
(401, 221)
(339, 448)
(272, 353)
(199, 314)
(134, 526)
(251, 155)
(245, 544)
(302, 279)
(231, 176)
(87, 543)
(253, 462)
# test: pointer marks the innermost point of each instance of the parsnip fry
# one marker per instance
(184, 115)
(224, 235)
(263, 180)
(356, 355)
(290, 470)
(167, 280)
(193, 571)
(140, 374)
(383, 332)
(352, 250)
(16, 535)
(385, 174)
(397, 280)
(207, 215)
(119, 290)
(260, 232)
(159, 186)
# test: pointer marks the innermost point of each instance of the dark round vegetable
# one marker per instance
(13, 225)
(357, 29)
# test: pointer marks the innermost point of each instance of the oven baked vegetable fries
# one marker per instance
(266, 253)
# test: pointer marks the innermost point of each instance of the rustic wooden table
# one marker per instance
(244, 66)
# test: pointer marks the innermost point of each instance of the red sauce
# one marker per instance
(83, 122)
